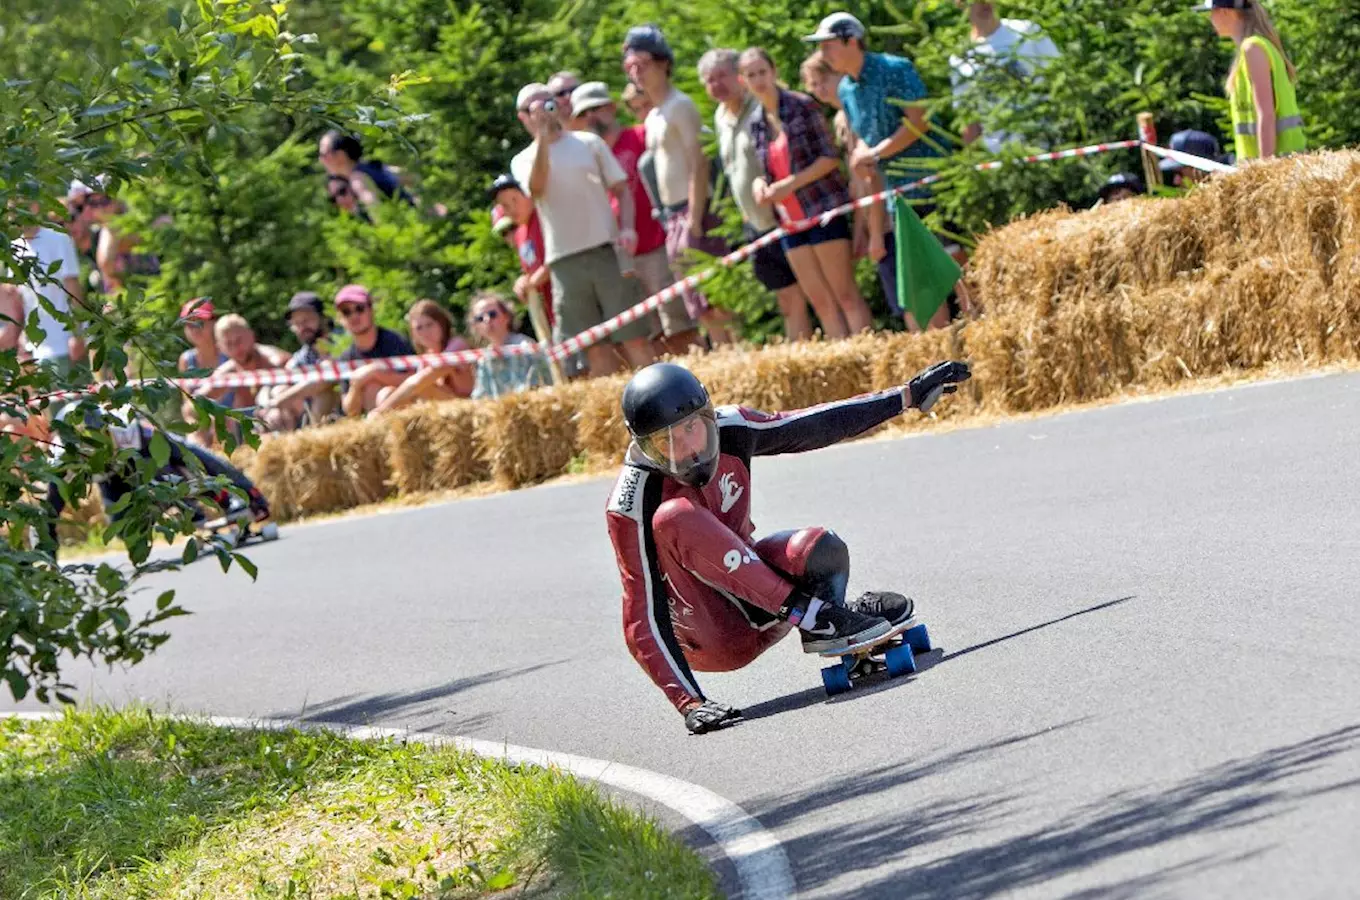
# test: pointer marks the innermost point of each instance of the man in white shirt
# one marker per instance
(569, 176)
(682, 170)
(1010, 49)
(62, 344)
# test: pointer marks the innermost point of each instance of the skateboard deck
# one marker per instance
(898, 649)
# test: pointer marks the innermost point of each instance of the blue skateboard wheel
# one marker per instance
(918, 639)
(900, 660)
(836, 679)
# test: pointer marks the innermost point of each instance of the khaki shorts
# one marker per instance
(589, 288)
(654, 271)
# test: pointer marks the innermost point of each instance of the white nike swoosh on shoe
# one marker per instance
(826, 630)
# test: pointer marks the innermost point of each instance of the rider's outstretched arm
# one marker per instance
(820, 426)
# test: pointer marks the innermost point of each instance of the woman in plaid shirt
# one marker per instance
(803, 180)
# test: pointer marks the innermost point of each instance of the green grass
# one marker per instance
(109, 804)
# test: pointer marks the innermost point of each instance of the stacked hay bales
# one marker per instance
(432, 447)
(1252, 269)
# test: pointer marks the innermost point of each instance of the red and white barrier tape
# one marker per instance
(338, 370)
(1189, 159)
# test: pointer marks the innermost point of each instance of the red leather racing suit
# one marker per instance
(698, 594)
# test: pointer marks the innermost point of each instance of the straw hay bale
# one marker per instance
(531, 436)
(790, 376)
(433, 446)
(600, 431)
(326, 469)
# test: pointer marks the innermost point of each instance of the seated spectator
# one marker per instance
(432, 331)
(236, 341)
(371, 341)
(490, 320)
(310, 402)
(1196, 143)
(803, 180)
(369, 179)
(1121, 186)
(199, 317)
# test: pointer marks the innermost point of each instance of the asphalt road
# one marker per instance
(1148, 684)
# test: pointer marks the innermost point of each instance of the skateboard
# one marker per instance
(237, 529)
(894, 652)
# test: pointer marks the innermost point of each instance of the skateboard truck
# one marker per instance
(897, 647)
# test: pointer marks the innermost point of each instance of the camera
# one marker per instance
(550, 105)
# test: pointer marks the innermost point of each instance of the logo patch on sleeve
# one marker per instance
(627, 496)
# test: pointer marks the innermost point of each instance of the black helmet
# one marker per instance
(671, 419)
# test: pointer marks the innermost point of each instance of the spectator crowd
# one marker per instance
(602, 214)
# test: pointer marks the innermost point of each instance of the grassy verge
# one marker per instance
(128, 804)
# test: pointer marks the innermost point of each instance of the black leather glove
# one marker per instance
(940, 379)
(710, 716)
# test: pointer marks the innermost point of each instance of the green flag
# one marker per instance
(926, 273)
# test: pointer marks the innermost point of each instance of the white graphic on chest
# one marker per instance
(731, 491)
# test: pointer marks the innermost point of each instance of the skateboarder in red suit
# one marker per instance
(699, 592)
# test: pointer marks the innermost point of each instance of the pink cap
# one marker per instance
(353, 293)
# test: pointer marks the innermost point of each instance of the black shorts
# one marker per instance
(770, 264)
(838, 229)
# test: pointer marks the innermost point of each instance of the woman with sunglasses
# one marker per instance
(432, 331)
(490, 320)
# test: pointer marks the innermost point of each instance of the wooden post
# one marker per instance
(1147, 133)
(539, 318)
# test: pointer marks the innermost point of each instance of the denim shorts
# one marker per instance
(838, 229)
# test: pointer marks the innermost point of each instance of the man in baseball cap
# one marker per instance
(840, 26)
(308, 402)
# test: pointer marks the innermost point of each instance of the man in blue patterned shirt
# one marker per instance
(883, 98)
(890, 136)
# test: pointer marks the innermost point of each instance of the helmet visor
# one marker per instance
(687, 450)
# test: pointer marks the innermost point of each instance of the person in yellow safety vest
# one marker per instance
(1265, 112)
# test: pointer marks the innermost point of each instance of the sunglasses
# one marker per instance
(341, 192)
(565, 92)
(488, 316)
(348, 311)
(194, 326)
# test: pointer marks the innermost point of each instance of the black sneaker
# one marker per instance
(837, 628)
(885, 604)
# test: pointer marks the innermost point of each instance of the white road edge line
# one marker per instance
(762, 866)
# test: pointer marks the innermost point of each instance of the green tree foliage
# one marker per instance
(158, 97)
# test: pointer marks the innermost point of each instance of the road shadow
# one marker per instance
(374, 709)
(924, 663)
(1231, 795)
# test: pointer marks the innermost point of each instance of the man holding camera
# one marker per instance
(569, 176)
